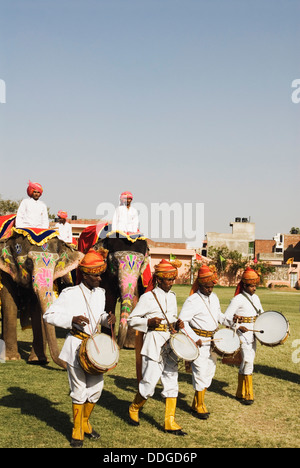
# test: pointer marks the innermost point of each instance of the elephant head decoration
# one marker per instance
(31, 264)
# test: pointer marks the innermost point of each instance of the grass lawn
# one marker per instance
(35, 407)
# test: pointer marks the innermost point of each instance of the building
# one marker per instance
(241, 238)
(282, 252)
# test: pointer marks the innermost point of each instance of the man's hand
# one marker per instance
(154, 322)
(199, 343)
(80, 320)
(111, 319)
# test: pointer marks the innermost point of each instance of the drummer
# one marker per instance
(81, 310)
(201, 314)
(156, 316)
(243, 311)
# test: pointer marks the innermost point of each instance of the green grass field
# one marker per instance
(35, 407)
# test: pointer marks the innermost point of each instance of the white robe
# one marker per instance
(64, 232)
(32, 214)
(241, 305)
(202, 313)
(158, 360)
(125, 219)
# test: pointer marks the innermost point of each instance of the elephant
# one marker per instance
(126, 274)
(28, 270)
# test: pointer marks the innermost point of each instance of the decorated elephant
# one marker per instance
(127, 272)
(30, 262)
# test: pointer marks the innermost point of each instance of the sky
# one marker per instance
(177, 101)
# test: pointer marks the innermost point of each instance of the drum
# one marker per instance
(271, 328)
(98, 354)
(184, 347)
(225, 342)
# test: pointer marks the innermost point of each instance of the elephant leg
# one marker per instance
(130, 340)
(38, 351)
(9, 310)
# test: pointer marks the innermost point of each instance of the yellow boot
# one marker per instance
(134, 408)
(249, 397)
(87, 428)
(198, 408)
(77, 432)
(240, 393)
(170, 423)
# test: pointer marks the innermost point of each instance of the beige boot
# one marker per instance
(77, 432)
(199, 409)
(87, 428)
(134, 408)
(170, 423)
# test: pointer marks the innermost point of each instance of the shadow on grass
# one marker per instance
(40, 408)
(276, 373)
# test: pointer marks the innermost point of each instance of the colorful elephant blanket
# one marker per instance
(36, 236)
(7, 222)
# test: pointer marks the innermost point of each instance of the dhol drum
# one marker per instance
(184, 347)
(226, 342)
(271, 328)
(98, 354)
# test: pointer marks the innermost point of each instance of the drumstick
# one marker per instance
(256, 331)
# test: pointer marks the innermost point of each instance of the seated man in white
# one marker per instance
(32, 212)
(64, 228)
(125, 217)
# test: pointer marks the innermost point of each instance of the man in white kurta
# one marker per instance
(201, 314)
(243, 310)
(63, 227)
(125, 218)
(153, 315)
(81, 309)
(32, 212)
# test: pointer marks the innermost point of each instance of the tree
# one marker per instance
(294, 230)
(8, 206)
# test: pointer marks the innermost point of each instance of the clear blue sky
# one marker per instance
(174, 100)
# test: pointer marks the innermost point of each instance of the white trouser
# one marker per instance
(203, 368)
(166, 371)
(248, 356)
(84, 387)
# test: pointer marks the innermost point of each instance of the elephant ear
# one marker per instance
(7, 261)
(68, 260)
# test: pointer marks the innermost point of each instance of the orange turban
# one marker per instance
(126, 195)
(206, 274)
(94, 262)
(249, 276)
(34, 186)
(62, 214)
(164, 269)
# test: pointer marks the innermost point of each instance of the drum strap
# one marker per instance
(256, 310)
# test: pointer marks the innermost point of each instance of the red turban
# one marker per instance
(34, 186)
(164, 269)
(126, 195)
(94, 262)
(249, 276)
(62, 214)
(206, 274)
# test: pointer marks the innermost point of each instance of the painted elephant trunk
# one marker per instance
(130, 264)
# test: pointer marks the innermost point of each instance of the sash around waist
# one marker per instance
(79, 334)
(204, 333)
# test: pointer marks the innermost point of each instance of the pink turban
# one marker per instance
(32, 186)
(126, 195)
(62, 214)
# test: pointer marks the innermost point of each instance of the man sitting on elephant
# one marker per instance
(81, 309)
(32, 212)
(125, 218)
